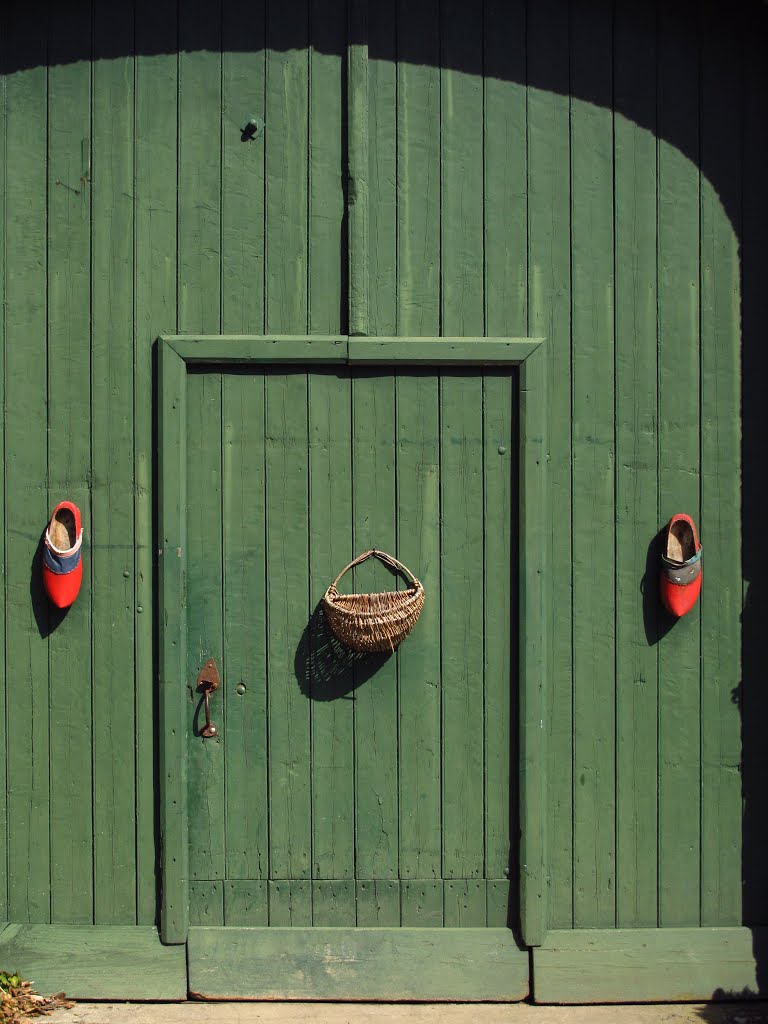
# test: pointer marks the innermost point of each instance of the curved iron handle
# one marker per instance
(208, 681)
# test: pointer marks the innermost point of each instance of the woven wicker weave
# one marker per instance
(374, 622)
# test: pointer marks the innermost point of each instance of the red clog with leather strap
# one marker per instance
(62, 555)
(681, 567)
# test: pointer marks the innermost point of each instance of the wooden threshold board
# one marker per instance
(430, 964)
(647, 965)
(96, 961)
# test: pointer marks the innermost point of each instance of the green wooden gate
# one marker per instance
(375, 796)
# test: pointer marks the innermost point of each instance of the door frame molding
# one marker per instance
(175, 355)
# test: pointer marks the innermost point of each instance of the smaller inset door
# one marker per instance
(351, 819)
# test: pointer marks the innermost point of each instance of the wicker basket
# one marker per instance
(374, 622)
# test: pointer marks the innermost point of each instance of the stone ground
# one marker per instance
(368, 1013)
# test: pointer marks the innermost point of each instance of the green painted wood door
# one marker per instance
(363, 794)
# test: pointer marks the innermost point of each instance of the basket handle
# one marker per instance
(383, 557)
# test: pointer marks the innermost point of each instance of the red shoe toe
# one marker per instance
(63, 588)
(678, 600)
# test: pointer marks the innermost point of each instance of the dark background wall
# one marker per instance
(577, 170)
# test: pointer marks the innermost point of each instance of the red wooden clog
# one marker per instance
(62, 555)
(681, 569)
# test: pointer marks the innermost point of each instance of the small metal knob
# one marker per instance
(253, 129)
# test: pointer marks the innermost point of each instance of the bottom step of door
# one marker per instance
(658, 965)
(430, 964)
(95, 961)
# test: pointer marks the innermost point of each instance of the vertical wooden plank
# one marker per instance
(501, 901)
(505, 169)
(374, 470)
(418, 169)
(114, 735)
(199, 171)
(679, 461)
(329, 677)
(416, 205)
(156, 102)
(26, 470)
(245, 626)
(421, 904)
(720, 134)
(358, 163)
(593, 444)
(287, 117)
(290, 904)
(69, 454)
(636, 453)
(206, 904)
(287, 502)
(461, 444)
(245, 904)
(245, 613)
(549, 269)
(326, 196)
(462, 593)
(199, 309)
(506, 313)
(464, 903)
(206, 757)
(378, 903)
(333, 904)
(172, 642)
(501, 469)
(287, 110)
(383, 171)
(242, 168)
(418, 524)
(461, 170)
(330, 461)
(535, 594)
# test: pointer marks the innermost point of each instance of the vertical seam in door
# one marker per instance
(658, 477)
(221, 175)
(268, 808)
(397, 169)
(308, 211)
(134, 312)
(440, 422)
(570, 463)
(310, 651)
(440, 601)
(48, 417)
(440, 317)
(90, 464)
(483, 136)
(515, 490)
(178, 147)
(354, 669)
(309, 461)
(615, 492)
(265, 380)
(397, 655)
(483, 396)
(222, 462)
(701, 452)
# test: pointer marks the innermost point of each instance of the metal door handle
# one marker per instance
(208, 682)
